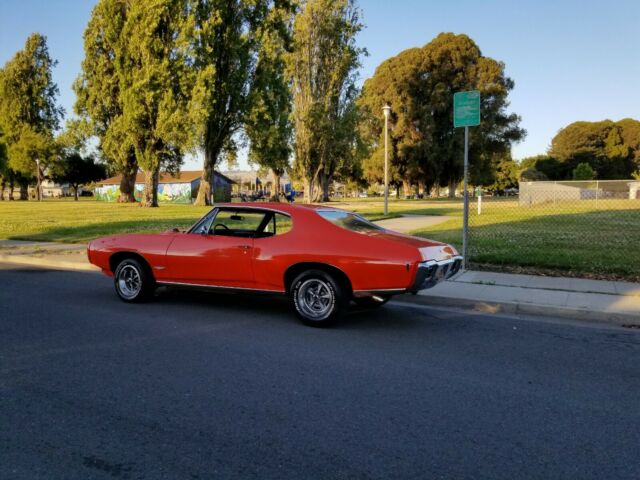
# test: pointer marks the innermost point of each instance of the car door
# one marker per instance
(221, 254)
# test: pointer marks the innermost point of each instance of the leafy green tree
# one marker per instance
(610, 148)
(99, 100)
(630, 133)
(393, 84)
(29, 114)
(504, 173)
(419, 85)
(226, 38)
(4, 167)
(552, 168)
(583, 172)
(322, 68)
(75, 170)
(155, 101)
(267, 123)
(530, 174)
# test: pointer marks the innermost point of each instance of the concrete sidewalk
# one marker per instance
(582, 299)
(596, 300)
(409, 223)
(46, 254)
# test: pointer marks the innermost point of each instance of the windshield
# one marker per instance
(349, 221)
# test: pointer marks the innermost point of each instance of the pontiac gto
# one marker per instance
(321, 257)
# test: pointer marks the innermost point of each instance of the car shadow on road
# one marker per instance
(393, 316)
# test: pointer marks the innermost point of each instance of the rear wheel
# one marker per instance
(133, 281)
(372, 302)
(318, 298)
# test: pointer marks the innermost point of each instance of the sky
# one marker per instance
(570, 60)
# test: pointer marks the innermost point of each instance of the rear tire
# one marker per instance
(318, 298)
(371, 302)
(133, 281)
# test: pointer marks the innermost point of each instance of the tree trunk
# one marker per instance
(75, 193)
(3, 185)
(406, 187)
(421, 189)
(11, 188)
(150, 192)
(452, 188)
(277, 190)
(211, 153)
(308, 190)
(128, 182)
(325, 183)
(24, 191)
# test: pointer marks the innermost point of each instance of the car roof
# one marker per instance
(277, 206)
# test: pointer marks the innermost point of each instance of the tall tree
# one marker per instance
(226, 39)
(323, 68)
(419, 85)
(612, 149)
(29, 114)
(267, 123)
(98, 89)
(154, 82)
(393, 84)
(4, 168)
(76, 170)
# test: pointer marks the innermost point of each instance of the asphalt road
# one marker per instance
(195, 386)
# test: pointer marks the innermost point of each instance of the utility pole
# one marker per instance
(387, 110)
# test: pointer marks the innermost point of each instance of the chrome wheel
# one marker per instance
(129, 281)
(315, 299)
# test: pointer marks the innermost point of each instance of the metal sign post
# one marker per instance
(466, 113)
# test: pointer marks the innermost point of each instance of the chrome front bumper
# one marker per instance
(432, 272)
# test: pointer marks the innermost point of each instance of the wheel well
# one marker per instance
(116, 258)
(294, 270)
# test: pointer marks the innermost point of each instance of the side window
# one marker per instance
(277, 225)
(283, 223)
(203, 225)
(236, 223)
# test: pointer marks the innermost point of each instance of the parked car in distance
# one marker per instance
(321, 257)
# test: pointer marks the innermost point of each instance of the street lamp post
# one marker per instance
(386, 109)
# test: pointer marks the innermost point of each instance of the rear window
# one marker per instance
(349, 221)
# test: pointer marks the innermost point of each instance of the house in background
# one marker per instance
(179, 188)
(250, 181)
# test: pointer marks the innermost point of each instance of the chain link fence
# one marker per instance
(590, 227)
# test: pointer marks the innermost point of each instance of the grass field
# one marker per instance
(579, 237)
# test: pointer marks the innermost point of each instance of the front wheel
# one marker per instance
(133, 282)
(317, 298)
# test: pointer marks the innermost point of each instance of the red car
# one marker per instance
(321, 257)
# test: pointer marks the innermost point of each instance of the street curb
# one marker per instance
(583, 314)
(48, 262)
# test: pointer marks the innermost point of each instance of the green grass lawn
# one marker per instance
(582, 237)
(79, 222)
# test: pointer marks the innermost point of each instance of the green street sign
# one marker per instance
(466, 109)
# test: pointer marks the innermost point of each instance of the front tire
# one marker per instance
(133, 281)
(318, 298)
